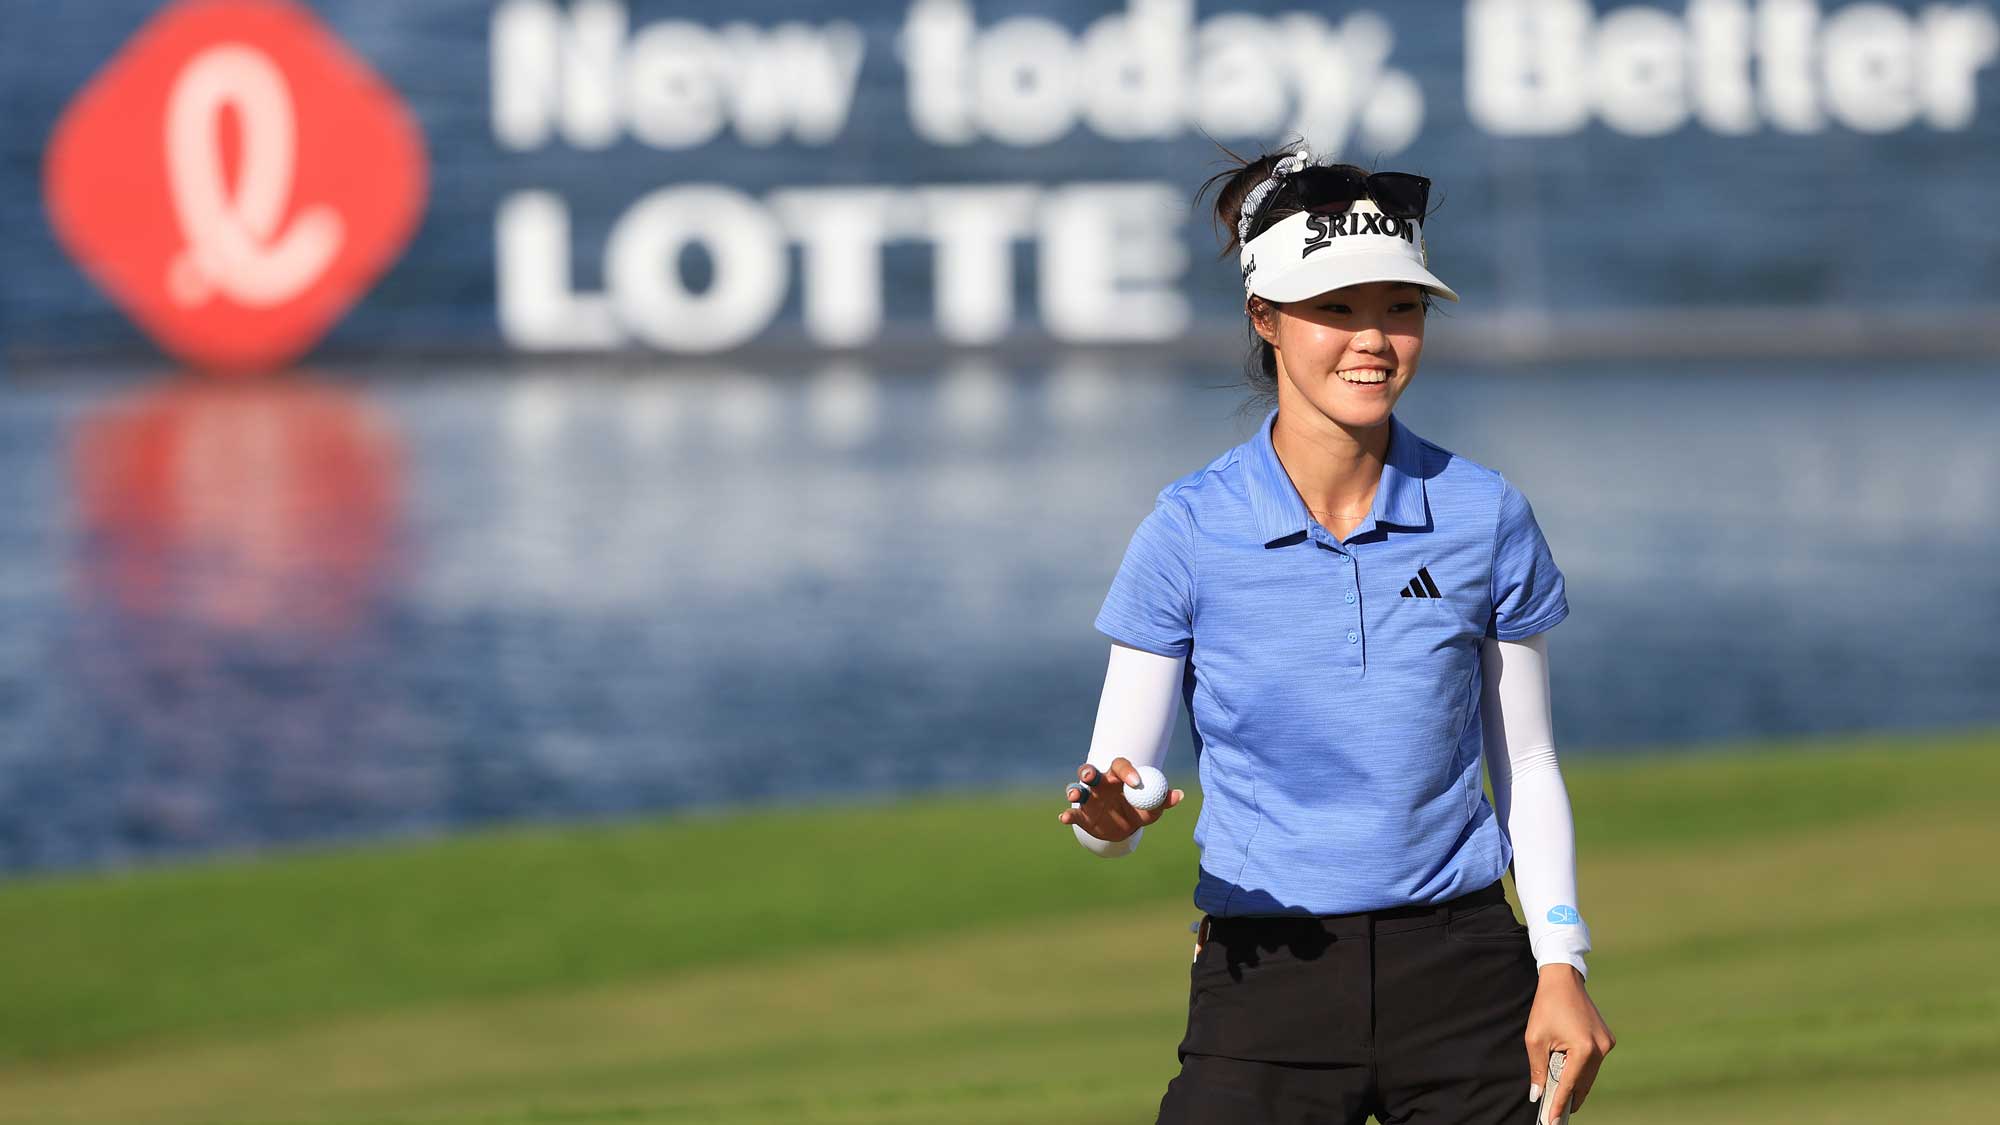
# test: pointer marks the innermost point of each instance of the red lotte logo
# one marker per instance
(235, 179)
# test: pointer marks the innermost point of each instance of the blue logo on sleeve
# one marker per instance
(1564, 915)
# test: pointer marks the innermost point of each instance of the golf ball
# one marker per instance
(1151, 792)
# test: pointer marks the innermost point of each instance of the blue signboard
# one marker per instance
(605, 175)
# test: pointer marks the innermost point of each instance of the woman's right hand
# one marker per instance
(1107, 815)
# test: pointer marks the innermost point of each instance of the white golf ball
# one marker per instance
(1151, 792)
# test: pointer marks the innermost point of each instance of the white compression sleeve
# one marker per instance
(1135, 721)
(1529, 795)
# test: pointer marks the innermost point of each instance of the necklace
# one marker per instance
(1345, 516)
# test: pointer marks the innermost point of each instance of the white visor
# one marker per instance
(1307, 253)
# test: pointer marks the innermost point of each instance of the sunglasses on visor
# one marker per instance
(1402, 195)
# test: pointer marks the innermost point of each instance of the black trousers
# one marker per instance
(1416, 1014)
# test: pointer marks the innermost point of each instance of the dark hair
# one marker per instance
(1260, 369)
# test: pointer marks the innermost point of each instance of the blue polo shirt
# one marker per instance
(1332, 685)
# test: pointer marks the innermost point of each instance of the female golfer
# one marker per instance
(1353, 617)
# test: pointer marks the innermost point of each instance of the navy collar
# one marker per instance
(1399, 498)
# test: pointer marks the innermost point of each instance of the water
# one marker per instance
(390, 603)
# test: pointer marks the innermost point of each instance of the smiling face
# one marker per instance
(1349, 352)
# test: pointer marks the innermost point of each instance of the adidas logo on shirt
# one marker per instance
(1421, 586)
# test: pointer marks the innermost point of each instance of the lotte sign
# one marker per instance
(235, 179)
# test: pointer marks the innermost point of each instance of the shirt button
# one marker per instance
(1352, 636)
(1350, 597)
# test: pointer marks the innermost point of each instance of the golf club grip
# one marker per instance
(1556, 1059)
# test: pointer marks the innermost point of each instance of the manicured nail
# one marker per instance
(1534, 1090)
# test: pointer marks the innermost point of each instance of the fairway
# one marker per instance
(1800, 932)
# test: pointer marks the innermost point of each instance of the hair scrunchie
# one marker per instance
(1255, 197)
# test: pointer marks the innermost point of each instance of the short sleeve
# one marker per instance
(1151, 603)
(1528, 594)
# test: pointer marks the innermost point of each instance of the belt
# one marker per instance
(1406, 917)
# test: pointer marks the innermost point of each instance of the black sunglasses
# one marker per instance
(1401, 195)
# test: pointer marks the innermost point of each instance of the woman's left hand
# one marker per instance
(1565, 1019)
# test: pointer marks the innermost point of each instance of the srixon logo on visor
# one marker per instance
(1323, 229)
(235, 179)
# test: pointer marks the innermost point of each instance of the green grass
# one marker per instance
(1785, 932)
